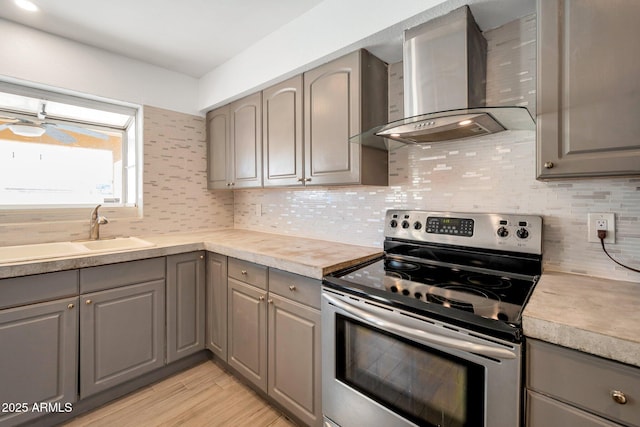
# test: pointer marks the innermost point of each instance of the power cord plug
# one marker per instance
(602, 234)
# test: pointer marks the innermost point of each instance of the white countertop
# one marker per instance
(308, 257)
(590, 314)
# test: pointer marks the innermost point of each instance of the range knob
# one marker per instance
(523, 233)
(503, 232)
(417, 225)
(405, 224)
(393, 223)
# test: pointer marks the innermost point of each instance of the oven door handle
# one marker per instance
(394, 325)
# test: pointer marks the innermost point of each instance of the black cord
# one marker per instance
(619, 263)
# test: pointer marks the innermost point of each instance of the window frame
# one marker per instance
(130, 205)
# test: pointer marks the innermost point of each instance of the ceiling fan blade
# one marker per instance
(83, 131)
(59, 135)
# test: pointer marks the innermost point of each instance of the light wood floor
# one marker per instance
(204, 395)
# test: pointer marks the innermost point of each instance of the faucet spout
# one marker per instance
(95, 222)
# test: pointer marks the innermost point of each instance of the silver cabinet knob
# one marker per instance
(201, 256)
(261, 298)
(88, 302)
(618, 397)
(307, 179)
(70, 306)
(243, 272)
(270, 301)
(292, 288)
(300, 179)
(548, 165)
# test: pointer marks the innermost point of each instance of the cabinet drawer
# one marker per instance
(248, 272)
(543, 411)
(295, 287)
(584, 380)
(39, 287)
(126, 273)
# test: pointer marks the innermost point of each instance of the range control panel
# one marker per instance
(508, 232)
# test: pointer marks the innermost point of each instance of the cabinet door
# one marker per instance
(248, 332)
(185, 304)
(246, 142)
(121, 335)
(217, 304)
(332, 115)
(38, 357)
(218, 153)
(294, 358)
(588, 90)
(282, 133)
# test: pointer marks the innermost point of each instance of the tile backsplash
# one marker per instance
(492, 174)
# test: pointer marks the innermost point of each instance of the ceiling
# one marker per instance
(191, 37)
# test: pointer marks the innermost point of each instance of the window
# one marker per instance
(60, 150)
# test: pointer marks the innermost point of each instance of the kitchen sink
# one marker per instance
(117, 244)
(65, 249)
(40, 251)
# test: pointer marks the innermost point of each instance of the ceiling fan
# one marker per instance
(33, 128)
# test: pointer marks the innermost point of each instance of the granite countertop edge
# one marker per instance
(308, 257)
(581, 313)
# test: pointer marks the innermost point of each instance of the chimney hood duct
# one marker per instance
(444, 87)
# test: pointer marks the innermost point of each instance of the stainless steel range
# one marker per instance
(430, 334)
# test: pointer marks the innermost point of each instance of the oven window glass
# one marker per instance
(424, 385)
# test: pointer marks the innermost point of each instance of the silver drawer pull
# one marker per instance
(292, 288)
(618, 397)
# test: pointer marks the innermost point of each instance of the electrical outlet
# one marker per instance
(601, 221)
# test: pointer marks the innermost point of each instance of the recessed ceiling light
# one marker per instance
(27, 5)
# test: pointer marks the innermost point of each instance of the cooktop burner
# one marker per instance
(471, 268)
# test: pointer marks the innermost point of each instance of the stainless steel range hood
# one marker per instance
(444, 87)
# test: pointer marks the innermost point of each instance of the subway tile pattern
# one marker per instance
(493, 174)
(175, 196)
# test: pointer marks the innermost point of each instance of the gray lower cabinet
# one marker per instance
(344, 98)
(295, 345)
(588, 89)
(38, 358)
(122, 323)
(274, 335)
(566, 387)
(185, 304)
(216, 305)
(247, 336)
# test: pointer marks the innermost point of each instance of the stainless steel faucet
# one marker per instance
(95, 222)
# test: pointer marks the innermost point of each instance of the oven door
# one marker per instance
(386, 367)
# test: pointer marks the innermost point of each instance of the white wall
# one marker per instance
(331, 29)
(41, 58)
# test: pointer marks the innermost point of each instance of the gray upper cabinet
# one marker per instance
(282, 134)
(342, 99)
(588, 92)
(38, 357)
(185, 305)
(122, 323)
(217, 305)
(218, 150)
(245, 142)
